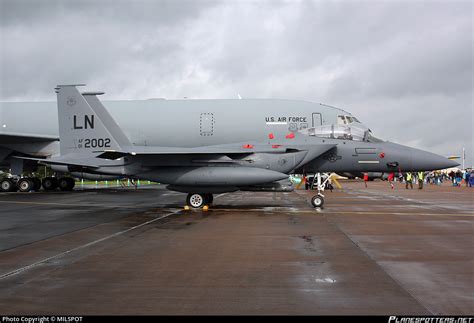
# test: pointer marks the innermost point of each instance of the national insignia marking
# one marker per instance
(332, 157)
(71, 101)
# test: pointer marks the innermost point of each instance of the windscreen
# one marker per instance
(344, 132)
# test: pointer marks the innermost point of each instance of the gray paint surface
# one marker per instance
(212, 143)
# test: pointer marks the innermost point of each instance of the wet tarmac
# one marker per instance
(127, 251)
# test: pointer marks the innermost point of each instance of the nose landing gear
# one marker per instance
(317, 201)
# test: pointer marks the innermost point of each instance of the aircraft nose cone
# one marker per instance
(423, 160)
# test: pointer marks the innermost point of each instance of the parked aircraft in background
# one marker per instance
(202, 147)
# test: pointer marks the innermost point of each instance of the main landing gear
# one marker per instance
(8, 185)
(64, 183)
(28, 184)
(199, 200)
(24, 184)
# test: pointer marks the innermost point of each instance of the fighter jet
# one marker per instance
(237, 156)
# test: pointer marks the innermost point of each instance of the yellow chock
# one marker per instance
(186, 208)
(335, 181)
(205, 208)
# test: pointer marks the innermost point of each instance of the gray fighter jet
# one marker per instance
(211, 148)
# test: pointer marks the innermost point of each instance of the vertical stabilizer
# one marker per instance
(85, 126)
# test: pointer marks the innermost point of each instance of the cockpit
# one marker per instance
(355, 131)
(345, 119)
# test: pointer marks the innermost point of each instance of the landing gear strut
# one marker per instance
(198, 200)
(318, 200)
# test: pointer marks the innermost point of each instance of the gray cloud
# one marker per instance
(404, 67)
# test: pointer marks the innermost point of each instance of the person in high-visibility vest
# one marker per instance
(421, 177)
(408, 180)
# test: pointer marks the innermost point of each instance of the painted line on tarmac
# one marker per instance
(70, 204)
(396, 213)
(316, 211)
(25, 268)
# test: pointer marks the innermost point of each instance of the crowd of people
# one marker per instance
(457, 178)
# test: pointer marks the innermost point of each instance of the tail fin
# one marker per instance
(85, 126)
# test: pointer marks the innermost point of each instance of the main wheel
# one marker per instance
(317, 201)
(7, 185)
(66, 183)
(36, 183)
(50, 183)
(72, 182)
(25, 184)
(195, 200)
(208, 198)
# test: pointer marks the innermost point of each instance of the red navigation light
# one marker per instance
(247, 146)
(382, 155)
(276, 146)
(290, 136)
(271, 136)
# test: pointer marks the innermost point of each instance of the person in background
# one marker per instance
(391, 177)
(408, 180)
(421, 176)
(467, 177)
(400, 175)
(366, 179)
(451, 177)
(458, 178)
(436, 177)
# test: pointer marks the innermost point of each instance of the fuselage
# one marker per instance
(197, 123)
(182, 123)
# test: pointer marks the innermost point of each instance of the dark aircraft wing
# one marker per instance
(22, 138)
(227, 150)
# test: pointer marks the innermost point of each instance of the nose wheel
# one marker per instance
(317, 201)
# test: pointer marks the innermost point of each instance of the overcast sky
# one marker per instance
(405, 68)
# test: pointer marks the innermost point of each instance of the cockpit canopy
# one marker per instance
(346, 119)
(345, 132)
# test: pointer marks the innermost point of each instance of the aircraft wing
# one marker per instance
(226, 149)
(22, 138)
